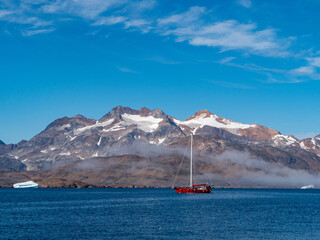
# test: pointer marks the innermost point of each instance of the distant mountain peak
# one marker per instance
(77, 120)
(117, 113)
(158, 113)
(79, 116)
(200, 114)
(2, 143)
(144, 111)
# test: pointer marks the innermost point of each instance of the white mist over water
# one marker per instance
(258, 172)
(232, 167)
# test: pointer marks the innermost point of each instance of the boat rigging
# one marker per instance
(193, 188)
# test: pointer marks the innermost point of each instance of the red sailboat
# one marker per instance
(193, 188)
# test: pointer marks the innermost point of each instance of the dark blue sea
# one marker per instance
(158, 214)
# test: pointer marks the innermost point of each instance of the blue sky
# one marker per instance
(250, 61)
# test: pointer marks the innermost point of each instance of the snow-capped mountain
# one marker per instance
(311, 144)
(124, 130)
(205, 118)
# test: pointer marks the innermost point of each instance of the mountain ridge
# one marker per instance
(149, 133)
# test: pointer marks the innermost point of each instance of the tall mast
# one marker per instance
(191, 161)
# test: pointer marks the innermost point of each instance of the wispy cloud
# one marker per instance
(245, 3)
(4, 13)
(230, 84)
(229, 61)
(190, 26)
(34, 13)
(137, 7)
(311, 69)
(224, 35)
(126, 70)
(194, 26)
(23, 14)
(314, 61)
(31, 32)
(185, 18)
(143, 25)
(83, 8)
(109, 20)
(163, 60)
(21, 18)
(306, 70)
(277, 75)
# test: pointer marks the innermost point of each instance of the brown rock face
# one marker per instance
(11, 165)
(4, 149)
(206, 114)
(259, 133)
(144, 111)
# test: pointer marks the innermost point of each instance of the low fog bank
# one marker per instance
(243, 169)
(146, 149)
(232, 168)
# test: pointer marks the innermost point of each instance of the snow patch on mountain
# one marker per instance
(117, 127)
(99, 141)
(161, 140)
(284, 140)
(212, 121)
(97, 124)
(95, 155)
(301, 144)
(72, 138)
(63, 127)
(65, 153)
(146, 124)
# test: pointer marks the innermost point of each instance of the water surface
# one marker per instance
(159, 214)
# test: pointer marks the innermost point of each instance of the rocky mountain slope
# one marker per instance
(152, 134)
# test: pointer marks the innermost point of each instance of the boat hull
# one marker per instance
(192, 190)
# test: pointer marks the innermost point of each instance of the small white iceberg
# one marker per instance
(307, 187)
(28, 184)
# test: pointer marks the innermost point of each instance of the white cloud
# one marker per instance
(190, 16)
(126, 70)
(89, 9)
(142, 24)
(143, 5)
(276, 75)
(109, 20)
(227, 60)
(314, 61)
(311, 69)
(245, 3)
(25, 20)
(28, 33)
(163, 60)
(34, 13)
(194, 26)
(4, 13)
(225, 35)
(306, 70)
